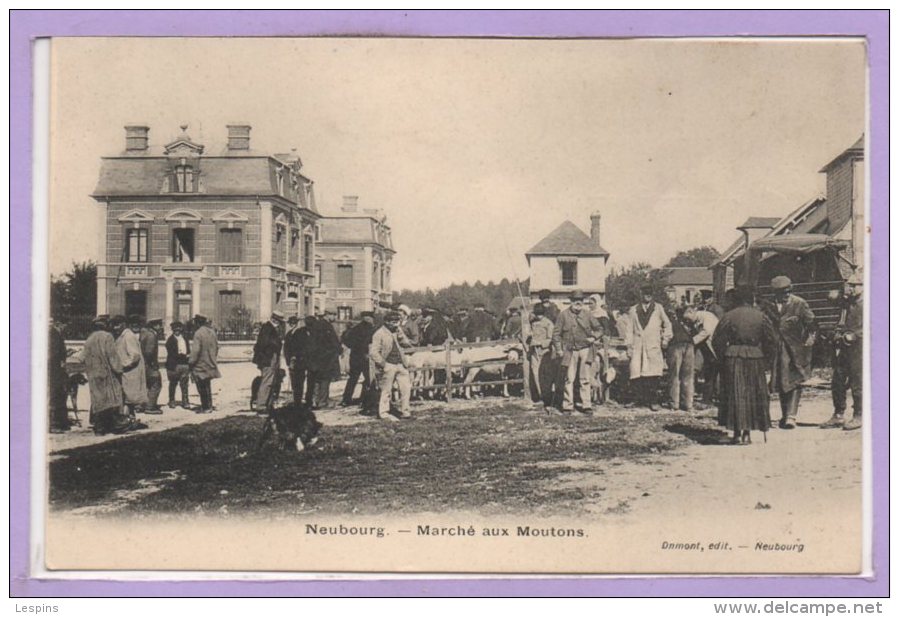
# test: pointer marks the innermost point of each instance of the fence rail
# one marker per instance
(451, 364)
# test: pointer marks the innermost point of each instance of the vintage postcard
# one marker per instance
(458, 305)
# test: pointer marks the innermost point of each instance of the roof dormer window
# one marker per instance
(184, 178)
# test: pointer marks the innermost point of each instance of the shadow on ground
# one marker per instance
(495, 458)
(703, 435)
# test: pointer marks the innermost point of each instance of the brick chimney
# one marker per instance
(136, 137)
(350, 204)
(594, 227)
(239, 137)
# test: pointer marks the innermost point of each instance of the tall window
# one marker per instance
(345, 313)
(184, 178)
(183, 244)
(375, 275)
(136, 244)
(307, 252)
(318, 275)
(568, 270)
(344, 275)
(230, 245)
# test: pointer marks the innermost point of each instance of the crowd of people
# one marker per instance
(120, 361)
(749, 349)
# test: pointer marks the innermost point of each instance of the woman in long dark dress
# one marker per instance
(743, 342)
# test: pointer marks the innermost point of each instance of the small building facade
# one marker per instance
(230, 235)
(688, 285)
(569, 260)
(353, 261)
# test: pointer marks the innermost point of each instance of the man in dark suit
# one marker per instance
(481, 326)
(149, 346)
(177, 368)
(267, 357)
(292, 344)
(357, 339)
(325, 358)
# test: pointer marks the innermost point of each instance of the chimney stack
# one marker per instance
(350, 203)
(594, 227)
(136, 137)
(238, 137)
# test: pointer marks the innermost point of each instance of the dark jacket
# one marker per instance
(324, 355)
(480, 326)
(268, 345)
(298, 347)
(149, 347)
(436, 332)
(795, 326)
(680, 332)
(358, 338)
(173, 358)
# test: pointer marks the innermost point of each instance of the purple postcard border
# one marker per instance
(26, 25)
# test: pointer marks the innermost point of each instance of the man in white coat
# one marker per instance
(648, 336)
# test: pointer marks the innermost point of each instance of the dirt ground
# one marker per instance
(491, 456)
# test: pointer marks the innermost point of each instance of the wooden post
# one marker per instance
(525, 373)
(449, 371)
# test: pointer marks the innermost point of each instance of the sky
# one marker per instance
(477, 149)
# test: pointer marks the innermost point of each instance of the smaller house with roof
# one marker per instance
(353, 261)
(686, 285)
(569, 260)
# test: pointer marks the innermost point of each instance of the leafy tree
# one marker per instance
(73, 298)
(623, 285)
(697, 257)
(495, 296)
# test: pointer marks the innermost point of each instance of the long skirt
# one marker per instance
(744, 402)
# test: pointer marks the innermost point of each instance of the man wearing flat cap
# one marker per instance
(267, 358)
(647, 338)
(575, 332)
(795, 325)
(390, 365)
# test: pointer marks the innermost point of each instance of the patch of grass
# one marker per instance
(493, 459)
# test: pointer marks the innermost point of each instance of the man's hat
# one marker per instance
(479, 305)
(293, 319)
(117, 319)
(393, 316)
(461, 309)
(279, 315)
(103, 318)
(779, 283)
(200, 317)
(367, 314)
(538, 310)
(405, 310)
(154, 322)
(544, 294)
(577, 296)
(176, 324)
(646, 288)
(135, 320)
(427, 311)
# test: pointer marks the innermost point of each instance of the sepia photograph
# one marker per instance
(457, 305)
